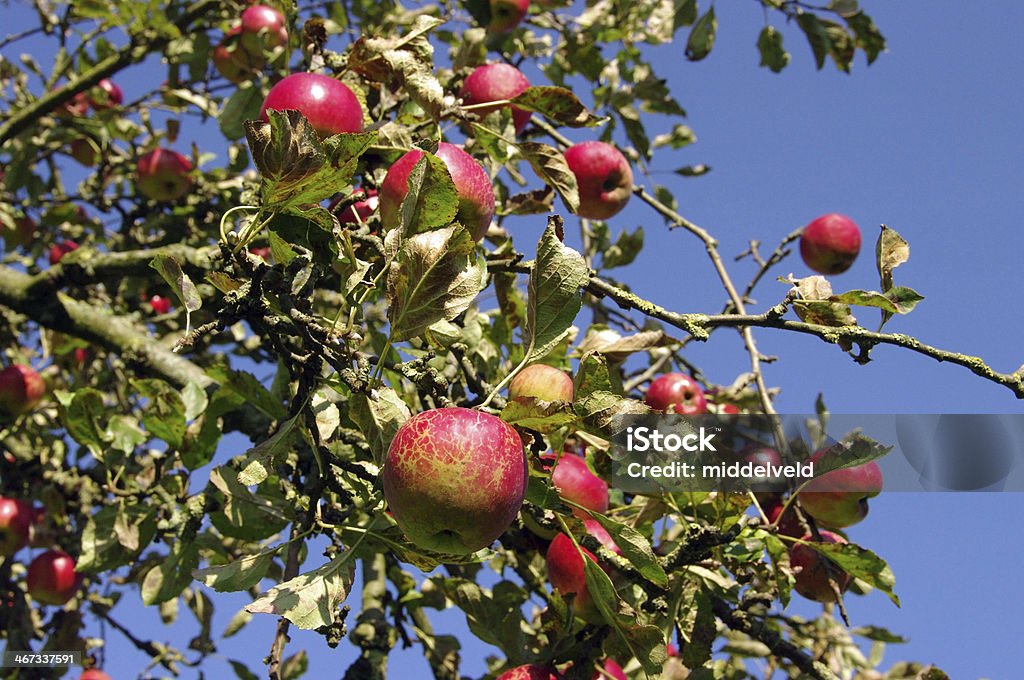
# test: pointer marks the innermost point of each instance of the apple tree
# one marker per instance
(300, 231)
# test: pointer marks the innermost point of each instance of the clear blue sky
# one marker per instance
(929, 141)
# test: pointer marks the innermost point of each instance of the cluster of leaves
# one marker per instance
(320, 347)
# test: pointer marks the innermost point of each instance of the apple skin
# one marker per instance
(604, 177)
(234, 63)
(94, 674)
(789, 525)
(496, 82)
(476, 193)
(455, 479)
(830, 244)
(262, 27)
(23, 233)
(51, 577)
(543, 382)
(107, 95)
(21, 389)
(812, 579)
(529, 672)
(329, 106)
(839, 498)
(59, 250)
(160, 304)
(678, 392)
(507, 14)
(360, 211)
(611, 668)
(16, 519)
(566, 570)
(163, 175)
(574, 481)
(84, 151)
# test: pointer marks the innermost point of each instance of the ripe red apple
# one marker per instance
(163, 175)
(160, 304)
(360, 211)
(611, 668)
(678, 392)
(566, 570)
(263, 28)
(23, 233)
(52, 578)
(575, 482)
(789, 525)
(839, 498)
(476, 193)
(59, 250)
(541, 381)
(455, 479)
(94, 674)
(604, 177)
(107, 94)
(530, 672)
(507, 14)
(21, 389)
(16, 518)
(81, 355)
(496, 82)
(813, 570)
(830, 244)
(328, 104)
(84, 151)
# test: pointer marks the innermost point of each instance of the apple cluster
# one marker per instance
(51, 577)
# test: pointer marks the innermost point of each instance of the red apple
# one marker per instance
(476, 193)
(328, 104)
(233, 62)
(22, 234)
(81, 355)
(839, 498)
(76, 107)
(543, 382)
(84, 150)
(160, 304)
(507, 14)
(678, 392)
(789, 524)
(830, 244)
(59, 250)
(604, 177)
(21, 389)
(496, 82)
(16, 518)
(94, 674)
(575, 482)
(530, 672)
(262, 252)
(52, 578)
(263, 28)
(360, 211)
(611, 669)
(813, 570)
(106, 95)
(566, 570)
(163, 175)
(455, 479)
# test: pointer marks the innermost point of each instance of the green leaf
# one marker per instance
(599, 410)
(171, 272)
(171, 574)
(108, 531)
(856, 449)
(686, 13)
(897, 300)
(556, 103)
(702, 36)
(868, 37)
(550, 165)
(773, 54)
(891, 250)
(625, 249)
(535, 414)
(554, 291)
(164, 415)
(494, 617)
(243, 105)
(696, 624)
(635, 548)
(246, 515)
(817, 36)
(435, 276)
(431, 202)
(280, 249)
(82, 418)
(860, 563)
(309, 600)
(246, 386)
(378, 417)
(259, 460)
(594, 376)
(680, 136)
(238, 575)
(297, 167)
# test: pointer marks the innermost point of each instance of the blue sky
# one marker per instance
(927, 140)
